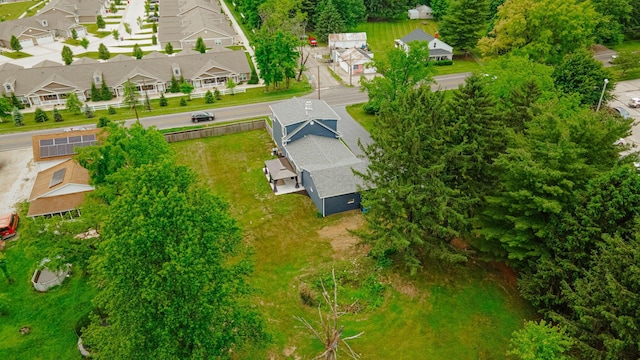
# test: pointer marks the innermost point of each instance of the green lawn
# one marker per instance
(381, 36)
(51, 315)
(630, 45)
(15, 54)
(252, 95)
(444, 312)
(11, 11)
(92, 28)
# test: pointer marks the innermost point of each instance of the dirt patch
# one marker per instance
(344, 244)
(508, 276)
(402, 286)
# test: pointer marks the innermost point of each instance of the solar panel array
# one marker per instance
(64, 146)
(57, 177)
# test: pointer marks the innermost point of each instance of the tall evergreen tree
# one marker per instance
(40, 116)
(475, 138)
(200, 46)
(100, 23)
(15, 43)
(168, 49)
(95, 93)
(410, 208)
(17, 116)
(105, 93)
(464, 24)
(73, 104)
(329, 20)
(57, 116)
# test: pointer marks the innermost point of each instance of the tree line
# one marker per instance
(518, 165)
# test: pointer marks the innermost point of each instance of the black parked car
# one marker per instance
(202, 116)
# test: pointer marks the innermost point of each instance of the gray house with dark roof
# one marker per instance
(438, 49)
(306, 133)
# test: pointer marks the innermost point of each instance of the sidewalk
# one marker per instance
(238, 29)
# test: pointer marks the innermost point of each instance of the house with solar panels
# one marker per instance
(313, 157)
(61, 184)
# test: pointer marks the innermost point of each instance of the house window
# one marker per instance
(176, 71)
(351, 201)
(8, 87)
(217, 42)
(355, 67)
(97, 80)
(243, 76)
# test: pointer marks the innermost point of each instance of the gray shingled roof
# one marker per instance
(293, 111)
(437, 52)
(329, 163)
(116, 72)
(417, 34)
(182, 19)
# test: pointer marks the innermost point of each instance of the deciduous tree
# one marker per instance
(168, 49)
(67, 55)
(5, 108)
(544, 30)
(84, 43)
(73, 104)
(401, 71)
(15, 43)
(131, 94)
(137, 51)
(627, 60)
(580, 73)
(183, 254)
(100, 23)
(540, 341)
(103, 52)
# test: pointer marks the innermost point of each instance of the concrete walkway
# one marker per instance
(241, 35)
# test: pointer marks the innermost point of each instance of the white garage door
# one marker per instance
(26, 43)
(45, 39)
(81, 33)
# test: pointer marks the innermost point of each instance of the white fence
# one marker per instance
(222, 92)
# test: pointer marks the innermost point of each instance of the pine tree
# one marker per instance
(105, 93)
(174, 87)
(163, 100)
(463, 25)
(15, 43)
(41, 116)
(208, 97)
(74, 34)
(168, 49)
(329, 21)
(137, 51)
(88, 112)
(57, 116)
(183, 101)
(410, 207)
(95, 94)
(200, 46)
(17, 116)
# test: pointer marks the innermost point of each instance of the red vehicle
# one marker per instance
(8, 225)
(313, 41)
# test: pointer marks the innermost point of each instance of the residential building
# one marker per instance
(307, 136)
(348, 40)
(354, 61)
(438, 49)
(82, 11)
(421, 12)
(38, 30)
(49, 83)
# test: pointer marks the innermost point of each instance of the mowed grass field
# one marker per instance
(444, 312)
(381, 36)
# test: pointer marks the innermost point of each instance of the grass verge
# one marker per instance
(15, 54)
(13, 10)
(253, 95)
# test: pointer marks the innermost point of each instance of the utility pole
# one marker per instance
(350, 69)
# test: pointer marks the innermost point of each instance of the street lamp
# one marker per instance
(604, 87)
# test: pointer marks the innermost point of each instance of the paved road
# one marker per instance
(335, 96)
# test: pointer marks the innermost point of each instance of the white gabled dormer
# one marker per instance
(43, 22)
(97, 77)
(175, 68)
(10, 84)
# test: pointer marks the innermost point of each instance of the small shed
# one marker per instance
(421, 12)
